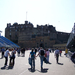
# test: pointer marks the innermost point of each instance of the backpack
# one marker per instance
(42, 52)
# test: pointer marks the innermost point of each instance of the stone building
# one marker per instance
(28, 36)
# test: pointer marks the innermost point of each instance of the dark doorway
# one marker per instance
(42, 45)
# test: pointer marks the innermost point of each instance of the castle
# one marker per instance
(28, 36)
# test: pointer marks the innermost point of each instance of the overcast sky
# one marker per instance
(59, 13)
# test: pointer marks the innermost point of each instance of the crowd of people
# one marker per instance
(5, 52)
(44, 55)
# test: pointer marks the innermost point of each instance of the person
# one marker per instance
(12, 57)
(49, 50)
(23, 52)
(66, 51)
(47, 55)
(41, 54)
(32, 55)
(35, 51)
(2, 50)
(57, 55)
(73, 58)
(18, 52)
(6, 56)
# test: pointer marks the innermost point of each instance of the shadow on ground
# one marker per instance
(45, 70)
(31, 70)
(60, 64)
(7, 67)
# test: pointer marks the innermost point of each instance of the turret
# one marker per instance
(8, 24)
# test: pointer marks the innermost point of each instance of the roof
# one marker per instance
(4, 42)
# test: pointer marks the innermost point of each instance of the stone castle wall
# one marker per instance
(26, 35)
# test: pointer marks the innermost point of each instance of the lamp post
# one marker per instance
(0, 32)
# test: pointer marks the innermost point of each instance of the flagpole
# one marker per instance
(26, 15)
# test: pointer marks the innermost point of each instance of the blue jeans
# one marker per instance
(32, 63)
(41, 59)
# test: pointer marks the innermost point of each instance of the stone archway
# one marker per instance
(41, 45)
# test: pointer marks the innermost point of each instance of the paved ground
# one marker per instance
(21, 67)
